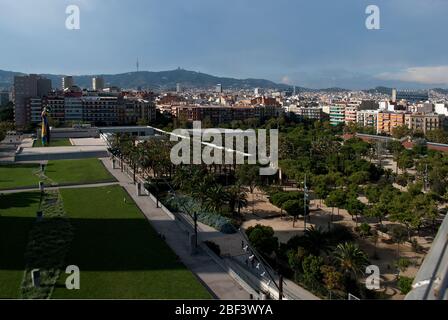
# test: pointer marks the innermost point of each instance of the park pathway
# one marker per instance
(72, 186)
(201, 264)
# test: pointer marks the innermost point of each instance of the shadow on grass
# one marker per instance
(98, 245)
(18, 200)
(20, 166)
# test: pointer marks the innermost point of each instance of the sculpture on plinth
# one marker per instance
(45, 133)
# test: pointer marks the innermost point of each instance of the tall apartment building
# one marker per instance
(26, 87)
(350, 113)
(55, 106)
(34, 105)
(67, 82)
(100, 110)
(367, 118)
(387, 121)
(308, 112)
(135, 109)
(337, 113)
(423, 122)
(97, 84)
(218, 114)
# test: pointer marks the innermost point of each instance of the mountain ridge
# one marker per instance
(157, 80)
(167, 80)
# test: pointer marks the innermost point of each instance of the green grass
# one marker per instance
(77, 171)
(60, 172)
(53, 143)
(17, 215)
(118, 252)
(18, 176)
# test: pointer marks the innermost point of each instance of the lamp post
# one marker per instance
(305, 202)
(195, 219)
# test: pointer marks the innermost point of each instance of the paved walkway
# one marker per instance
(59, 153)
(201, 264)
(77, 186)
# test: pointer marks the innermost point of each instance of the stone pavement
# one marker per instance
(60, 153)
(201, 264)
(76, 186)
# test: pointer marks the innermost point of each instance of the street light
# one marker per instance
(305, 202)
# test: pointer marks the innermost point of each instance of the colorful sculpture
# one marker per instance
(45, 128)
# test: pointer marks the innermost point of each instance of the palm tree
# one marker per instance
(215, 197)
(249, 175)
(316, 240)
(201, 186)
(351, 259)
(181, 178)
(237, 197)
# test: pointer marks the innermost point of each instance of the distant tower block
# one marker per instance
(178, 88)
(394, 95)
(218, 88)
(67, 82)
(97, 84)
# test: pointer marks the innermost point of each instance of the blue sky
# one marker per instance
(314, 43)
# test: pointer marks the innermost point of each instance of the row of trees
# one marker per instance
(151, 159)
(202, 185)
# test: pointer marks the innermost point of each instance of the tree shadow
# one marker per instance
(98, 245)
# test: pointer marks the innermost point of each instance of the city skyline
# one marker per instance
(337, 50)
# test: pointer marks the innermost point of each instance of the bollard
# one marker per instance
(138, 188)
(192, 244)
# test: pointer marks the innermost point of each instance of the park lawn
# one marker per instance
(17, 215)
(84, 171)
(18, 176)
(118, 252)
(53, 143)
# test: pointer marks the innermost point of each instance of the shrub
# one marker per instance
(262, 238)
(405, 284)
(279, 198)
(364, 229)
(210, 218)
(402, 264)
